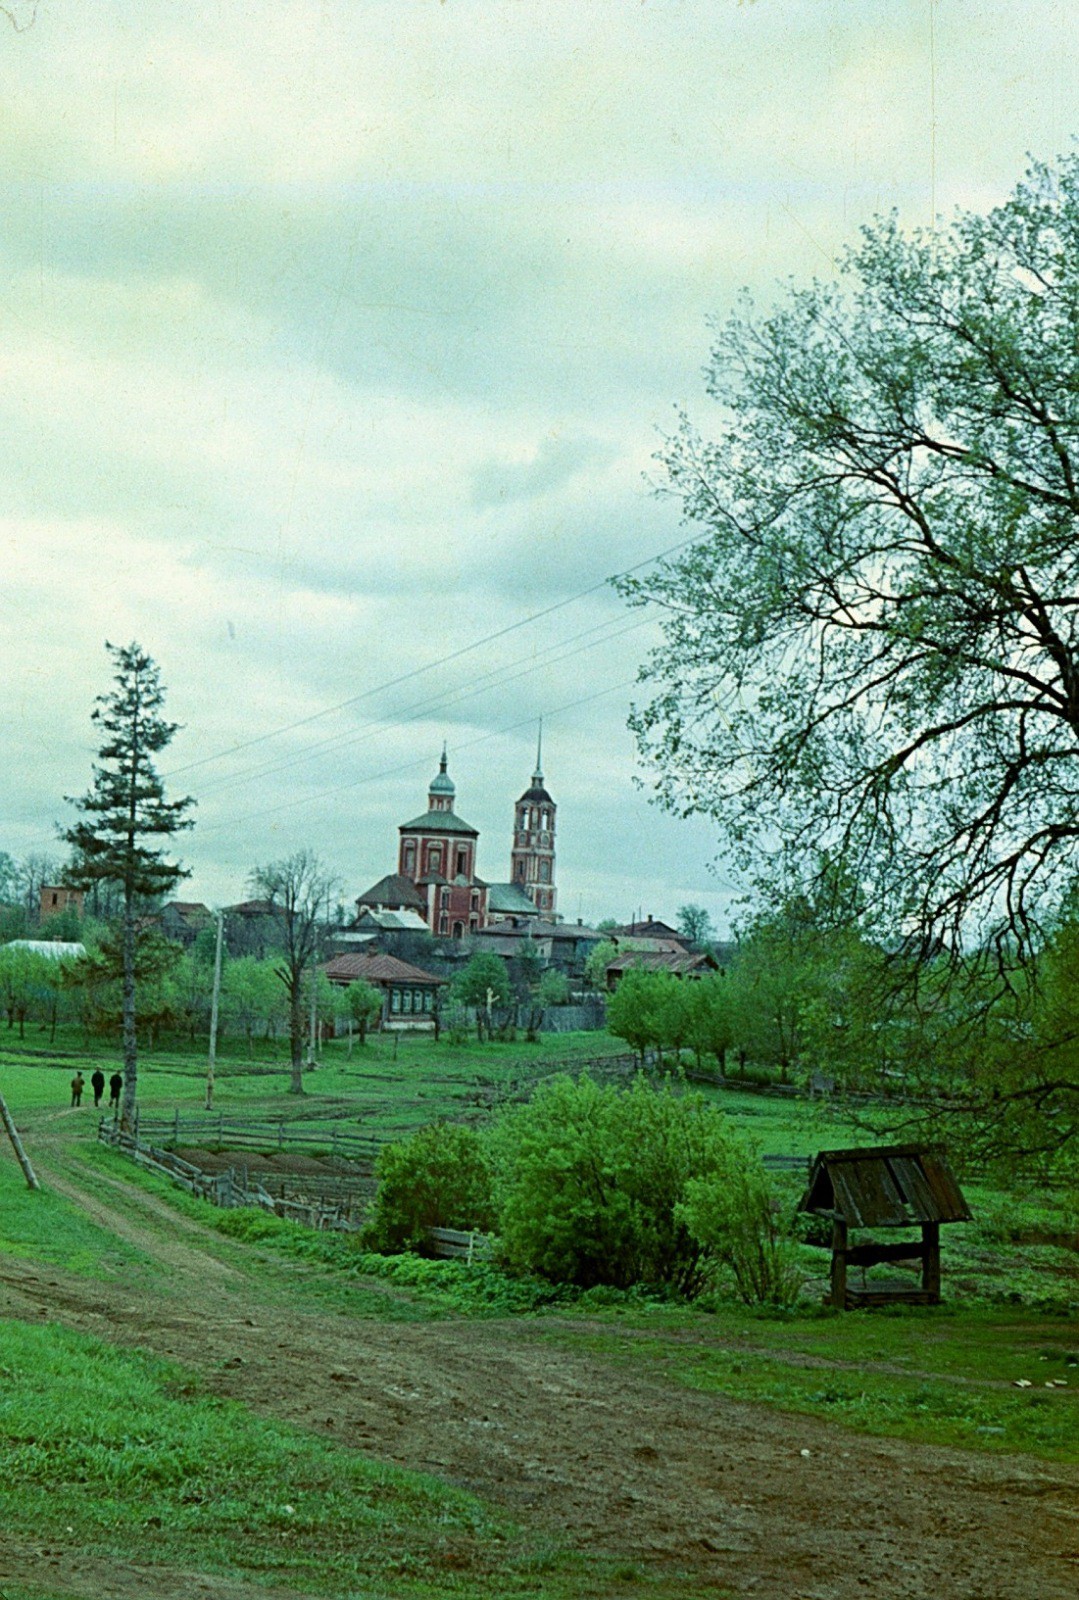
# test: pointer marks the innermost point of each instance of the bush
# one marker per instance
(589, 1184)
(734, 1217)
(437, 1179)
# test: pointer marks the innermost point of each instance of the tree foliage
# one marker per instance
(439, 1178)
(364, 1005)
(590, 1184)
(125, 815)
(695, 926)
(874, 647)
(483, 983)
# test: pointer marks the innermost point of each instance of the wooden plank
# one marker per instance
(870, 1255)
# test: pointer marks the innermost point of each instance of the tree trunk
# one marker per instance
(131, 1062)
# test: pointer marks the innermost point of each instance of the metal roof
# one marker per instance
(377, 969)
(885, 1186)
(393, 891)
(439, 822)
(510, 899)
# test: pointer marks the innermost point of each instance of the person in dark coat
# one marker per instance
(97, 1084)
(78, 1084)
(116, 1083)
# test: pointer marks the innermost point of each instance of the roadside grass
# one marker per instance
(942, 1375)
(42, 1225)
(137, 1460)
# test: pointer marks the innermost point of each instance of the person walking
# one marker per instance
(116, 1083)
(78, 1084)
(97, 1084)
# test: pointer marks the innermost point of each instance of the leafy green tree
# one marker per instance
(252, 997)
(635, 1011)
(734, 1216)
(125, 813)
(364, 1005)
(695, 926)
(709, 1018)
(10, 880)
(18, 969)
(553, 988)
(599, 959)
(439, 1178)
(874, 646)
(299, 889)
(13, 923)
(483, 984)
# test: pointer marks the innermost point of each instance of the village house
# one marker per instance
(409, 994)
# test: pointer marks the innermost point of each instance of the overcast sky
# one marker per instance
(338, 337)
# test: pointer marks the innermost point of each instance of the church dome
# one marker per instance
(442, 783)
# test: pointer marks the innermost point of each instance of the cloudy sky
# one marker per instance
(337, 340)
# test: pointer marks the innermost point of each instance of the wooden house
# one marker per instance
(885, 1186)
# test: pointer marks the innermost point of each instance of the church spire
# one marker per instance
(537, 776)
(442, 790)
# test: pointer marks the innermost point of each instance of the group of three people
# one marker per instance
(97, 1084)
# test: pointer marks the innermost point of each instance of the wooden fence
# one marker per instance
(280, 1134)
(333, 1203)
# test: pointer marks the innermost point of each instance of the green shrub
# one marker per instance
(439, 1178)
(589, 1182)
(734, 1217)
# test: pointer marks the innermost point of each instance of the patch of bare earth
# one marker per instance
(600, 1457)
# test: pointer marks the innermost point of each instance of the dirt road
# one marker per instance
(602, 1457)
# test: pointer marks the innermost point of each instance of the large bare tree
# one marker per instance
(300, 889)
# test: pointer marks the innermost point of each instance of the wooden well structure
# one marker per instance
(884, 1186)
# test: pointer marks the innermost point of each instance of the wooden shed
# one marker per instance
(884, 1186)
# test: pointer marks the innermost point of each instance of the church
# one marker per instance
(436, 886)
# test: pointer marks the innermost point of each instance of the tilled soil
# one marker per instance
(601, 1457)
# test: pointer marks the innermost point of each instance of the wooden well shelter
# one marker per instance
(884, 1186)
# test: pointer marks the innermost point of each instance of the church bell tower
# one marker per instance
(532, 857)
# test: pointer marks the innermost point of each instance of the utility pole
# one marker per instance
(314, 990)
(16, 1144)
(212, 1059)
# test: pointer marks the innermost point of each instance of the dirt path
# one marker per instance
(601, 1457)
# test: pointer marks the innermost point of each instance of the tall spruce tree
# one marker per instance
(125, 811)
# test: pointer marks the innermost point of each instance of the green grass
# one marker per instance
(41, 1225)
(139, 1464)
(942, 1375)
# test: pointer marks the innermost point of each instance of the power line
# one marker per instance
(408, 766)
(416, 672)
(498, 677)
